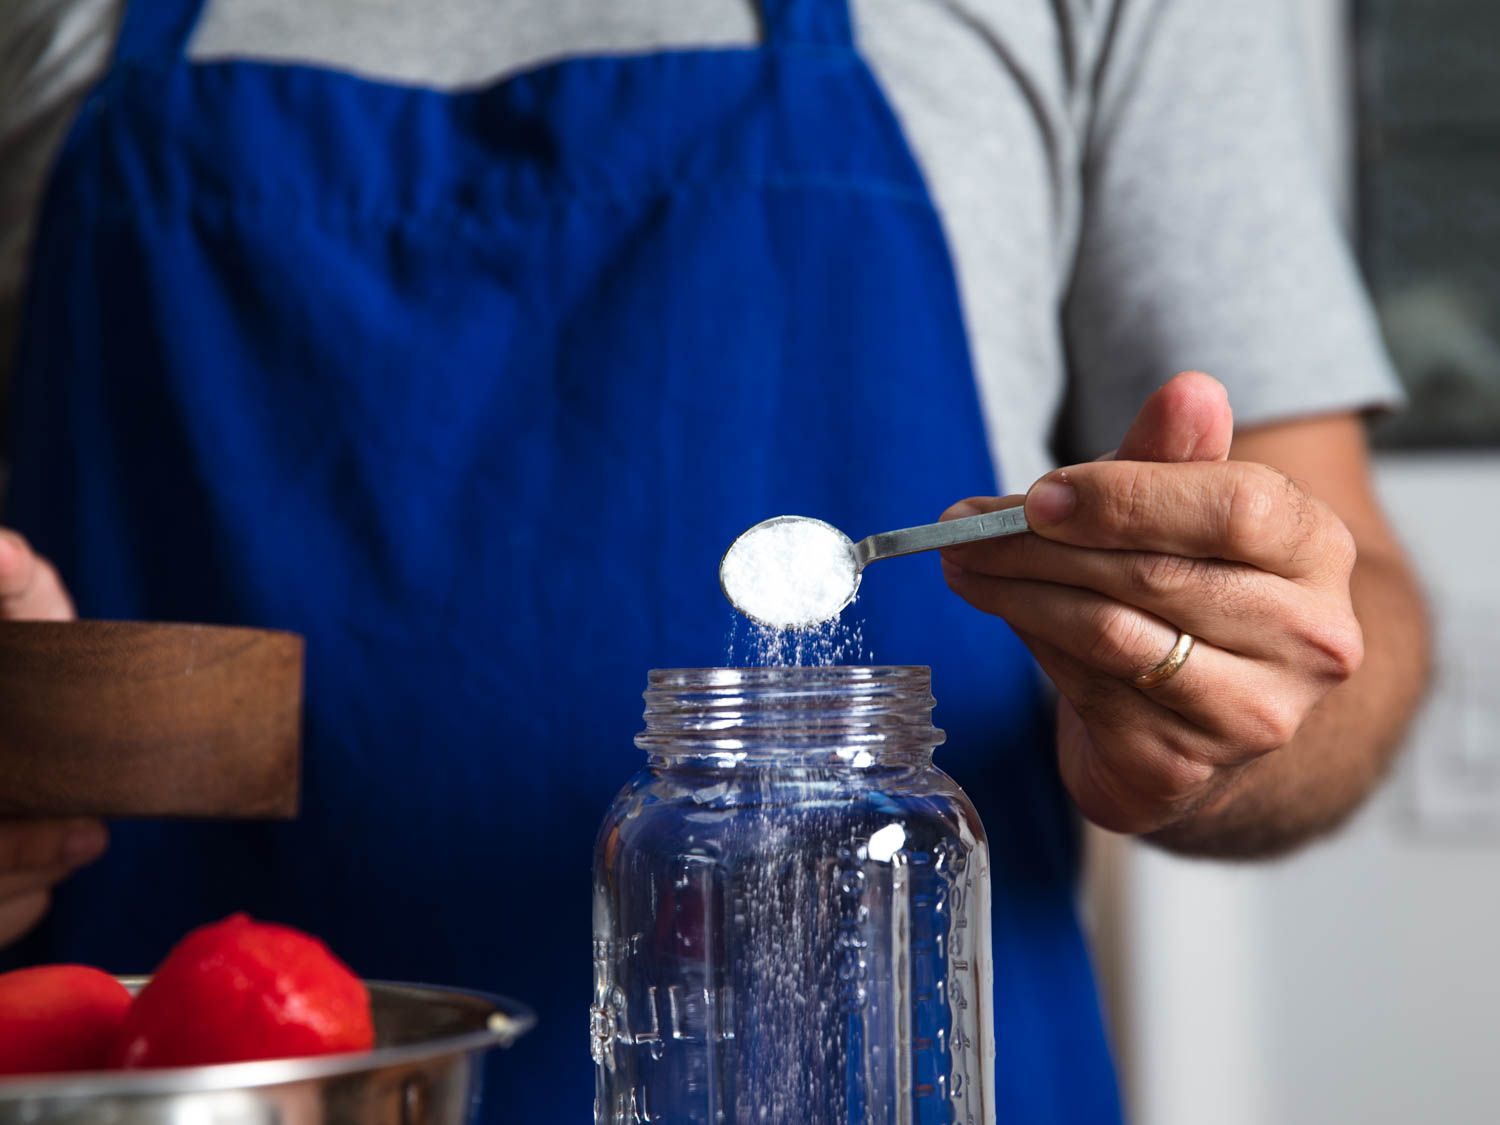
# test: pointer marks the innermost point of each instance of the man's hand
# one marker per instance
(30, 589)
(36, 855)
(1167, 536)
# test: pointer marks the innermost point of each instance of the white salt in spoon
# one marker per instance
(794, 572)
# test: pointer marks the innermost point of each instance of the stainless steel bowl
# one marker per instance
(424, 1071)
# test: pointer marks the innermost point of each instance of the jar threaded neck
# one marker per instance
(864, 715)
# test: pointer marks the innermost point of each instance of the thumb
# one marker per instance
(30, 589)
(1189, 419)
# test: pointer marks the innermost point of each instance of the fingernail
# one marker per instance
(1050, 502)
(83, 842)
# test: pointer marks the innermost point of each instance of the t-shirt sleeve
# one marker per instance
(51, 51)
(1210, 234)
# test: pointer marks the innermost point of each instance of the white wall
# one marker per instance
(1359, 982)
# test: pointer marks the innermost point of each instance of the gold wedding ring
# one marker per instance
(1170, 666)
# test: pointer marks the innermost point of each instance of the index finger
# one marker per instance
(1236, 511)
(35, 845)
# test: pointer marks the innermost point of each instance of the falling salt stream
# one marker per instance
(818, 646)
(792, 581)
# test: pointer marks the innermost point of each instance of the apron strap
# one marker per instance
(156, 29)
(823, 23)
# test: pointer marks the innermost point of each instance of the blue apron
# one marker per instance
(471, 390)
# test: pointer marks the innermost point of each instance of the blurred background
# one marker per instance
(1358, 981)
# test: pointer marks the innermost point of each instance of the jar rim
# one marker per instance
(785, 715)
(915, 675)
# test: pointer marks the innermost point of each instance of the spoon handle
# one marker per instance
(931, 536)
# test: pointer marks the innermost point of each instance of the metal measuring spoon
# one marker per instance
(779, 602)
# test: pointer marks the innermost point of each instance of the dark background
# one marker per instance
(1429, 210)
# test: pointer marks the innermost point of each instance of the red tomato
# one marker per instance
(58, 1018)
(240, 990)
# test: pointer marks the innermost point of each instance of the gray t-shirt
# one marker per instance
(1130, 187)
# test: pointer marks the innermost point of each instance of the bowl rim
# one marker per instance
(506, 1021)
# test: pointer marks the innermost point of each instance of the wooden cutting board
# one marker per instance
(128, 719)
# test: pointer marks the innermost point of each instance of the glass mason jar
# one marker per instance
(791, 910)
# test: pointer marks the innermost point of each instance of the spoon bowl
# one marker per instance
(790, 572)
